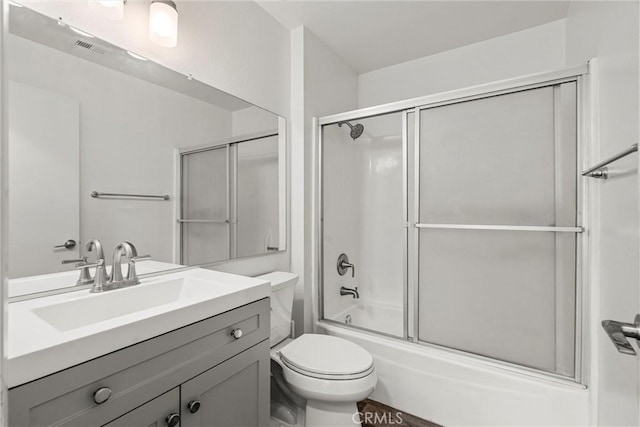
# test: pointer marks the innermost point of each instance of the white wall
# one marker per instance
(608, 31)
(252, 120)
(128, 134)
(322, 84)
(533, 50)
(4, 222)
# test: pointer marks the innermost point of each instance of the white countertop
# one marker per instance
(35, 348)
(67, 279)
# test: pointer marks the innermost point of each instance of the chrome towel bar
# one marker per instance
(503, 227)
(600, 171)
(204, 221)
(98, 195)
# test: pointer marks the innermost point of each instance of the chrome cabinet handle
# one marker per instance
(102, 395)
(173, 420)
(619, 332)
(193, 406)
(69, 244)
(236, 333)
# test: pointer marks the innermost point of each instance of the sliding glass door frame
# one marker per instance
(410, 110)
(415, 226)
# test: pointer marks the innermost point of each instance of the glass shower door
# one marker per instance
(497, 227)
(204, 216)
(363, 217)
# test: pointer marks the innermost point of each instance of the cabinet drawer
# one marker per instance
(137, 373)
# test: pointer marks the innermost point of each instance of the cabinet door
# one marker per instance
(154, 413)
(234, 393)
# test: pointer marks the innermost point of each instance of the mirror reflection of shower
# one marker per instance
(356, 130)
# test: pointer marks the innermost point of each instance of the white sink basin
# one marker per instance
(52, 333)
(96, 308)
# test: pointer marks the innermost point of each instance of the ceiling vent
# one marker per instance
(91, 47)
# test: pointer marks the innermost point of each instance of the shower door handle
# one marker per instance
(619, 332)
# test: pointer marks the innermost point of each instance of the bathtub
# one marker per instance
(383, 318)
(454, 389)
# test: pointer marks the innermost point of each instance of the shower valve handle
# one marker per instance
(344, 265)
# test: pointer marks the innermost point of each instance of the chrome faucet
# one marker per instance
(101, 277)
(128, 250)
(349, 291)
(121, 249)
(101, 280)
(84, 266)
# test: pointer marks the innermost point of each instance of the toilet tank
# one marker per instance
(282, 290)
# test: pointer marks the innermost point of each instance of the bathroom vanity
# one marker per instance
(200, 357)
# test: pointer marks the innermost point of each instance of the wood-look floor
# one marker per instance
(376, 414)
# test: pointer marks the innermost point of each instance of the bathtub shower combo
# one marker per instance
(450, 243)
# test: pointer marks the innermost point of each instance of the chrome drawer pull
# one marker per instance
(102, 395)
(236, 333)
(173, 420)
(193, 406)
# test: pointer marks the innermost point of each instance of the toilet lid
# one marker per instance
(325, 355)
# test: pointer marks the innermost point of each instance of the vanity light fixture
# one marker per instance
(110, 9)
(163, 23)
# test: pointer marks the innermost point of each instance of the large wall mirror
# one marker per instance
(106, 144)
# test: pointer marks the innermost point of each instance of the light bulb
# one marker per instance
(163, 23)
(110, 9)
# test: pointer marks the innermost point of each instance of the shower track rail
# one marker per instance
(503, 227)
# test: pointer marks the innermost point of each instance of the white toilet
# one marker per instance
(330, 373)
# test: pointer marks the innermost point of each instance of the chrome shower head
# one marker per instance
(356, 130)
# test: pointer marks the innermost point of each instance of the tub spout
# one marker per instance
(348, 291)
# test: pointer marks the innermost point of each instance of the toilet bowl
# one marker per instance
(331, 374)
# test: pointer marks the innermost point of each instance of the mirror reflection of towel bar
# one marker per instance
(99, 195)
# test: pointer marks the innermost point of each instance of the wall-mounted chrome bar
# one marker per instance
(503, 227)
(205, 221)
(600, 171)
(99, 195)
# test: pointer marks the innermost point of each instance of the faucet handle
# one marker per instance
(100, 279)
(344, 265)
(132, 274)
(81, 264)
(72, 261)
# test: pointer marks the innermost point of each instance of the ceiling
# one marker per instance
(372, 34)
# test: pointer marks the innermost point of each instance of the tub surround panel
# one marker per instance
(362, 205)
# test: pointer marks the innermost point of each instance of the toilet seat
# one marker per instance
(326, 357)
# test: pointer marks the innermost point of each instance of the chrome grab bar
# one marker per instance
(600, 171)
(98, 195)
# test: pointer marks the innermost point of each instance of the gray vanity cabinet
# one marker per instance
(152, 414)
(231, 394)
(146, 382)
